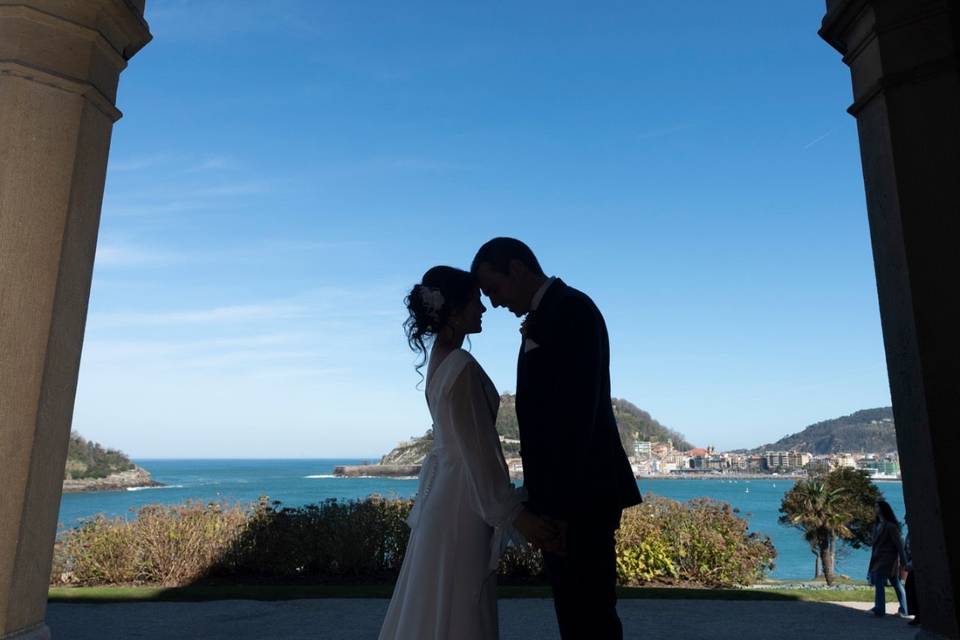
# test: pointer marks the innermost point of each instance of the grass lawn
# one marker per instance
(201, 593)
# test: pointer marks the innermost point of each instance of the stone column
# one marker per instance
(906, 99)
(60, 62)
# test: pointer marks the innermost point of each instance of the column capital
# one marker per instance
(879, 42)
(78, 47)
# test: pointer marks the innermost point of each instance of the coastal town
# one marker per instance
(864, 439)
(660, 459)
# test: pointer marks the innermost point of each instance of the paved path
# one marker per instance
(520, 619)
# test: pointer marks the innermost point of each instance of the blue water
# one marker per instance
(299, 482)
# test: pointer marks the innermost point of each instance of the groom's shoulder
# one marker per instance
(574, 299)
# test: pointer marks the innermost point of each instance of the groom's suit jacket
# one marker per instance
(573, 462)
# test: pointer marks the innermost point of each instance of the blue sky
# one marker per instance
(286, 170)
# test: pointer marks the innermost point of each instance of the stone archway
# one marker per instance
(60, 62)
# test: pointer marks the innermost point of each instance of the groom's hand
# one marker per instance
(560, 526)
(542, 533)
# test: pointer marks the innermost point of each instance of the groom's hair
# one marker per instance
(500, 251)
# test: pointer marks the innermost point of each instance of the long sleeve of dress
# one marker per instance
(474, 426)
(901, 548)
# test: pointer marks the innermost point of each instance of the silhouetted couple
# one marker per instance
(577, 478)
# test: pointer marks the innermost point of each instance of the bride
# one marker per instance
(466, 506)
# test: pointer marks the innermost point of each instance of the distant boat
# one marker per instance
(748, 490)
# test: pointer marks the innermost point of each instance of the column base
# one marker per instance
(39, 632)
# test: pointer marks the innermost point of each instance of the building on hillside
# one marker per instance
(776, 460)
(662, 449)
(664, 465)
(643, 449)
(737, 462)
(844, 460)
(798, 460)
(821, 464)
(785, 460)
(883, 467)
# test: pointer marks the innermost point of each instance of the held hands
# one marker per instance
(546, 534)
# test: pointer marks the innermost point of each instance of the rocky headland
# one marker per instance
(136, 478)
(378, 471)
(92, 467)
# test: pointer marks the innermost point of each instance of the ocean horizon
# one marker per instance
(300, 481)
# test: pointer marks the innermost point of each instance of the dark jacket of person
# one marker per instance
(574, 464)
(887, 549)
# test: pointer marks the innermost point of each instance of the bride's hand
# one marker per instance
(543, 534)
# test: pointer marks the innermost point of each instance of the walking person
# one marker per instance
(886, 558)
(910, 584)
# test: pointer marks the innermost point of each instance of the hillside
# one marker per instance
(634, 423)
(868, 430)
(88, 460)
(91, 467)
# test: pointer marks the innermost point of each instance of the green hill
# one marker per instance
(88, 460)
(869, 430)
(634, 424)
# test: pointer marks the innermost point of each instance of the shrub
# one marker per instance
(164, 545)
(707, 541)
(702, 542)
(333, 539)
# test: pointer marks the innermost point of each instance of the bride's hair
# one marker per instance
(441, 291)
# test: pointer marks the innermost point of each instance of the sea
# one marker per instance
(302, 481)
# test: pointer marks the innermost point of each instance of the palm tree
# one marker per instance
(822, 514)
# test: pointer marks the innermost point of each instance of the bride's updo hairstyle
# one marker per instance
(441, 292)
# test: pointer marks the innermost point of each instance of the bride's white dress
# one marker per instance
(461, 517)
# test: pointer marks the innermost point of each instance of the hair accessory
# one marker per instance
(432, 300)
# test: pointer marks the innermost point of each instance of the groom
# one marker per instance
(574, 467)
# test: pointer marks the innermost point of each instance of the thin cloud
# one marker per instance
(300, 372)
(115, 255)
(416, 164)
(818, 139)
(171, 199)
(660, 133)
(138, 163)
(214, 163)
(120, 255)
(222, 19)
(225, 314)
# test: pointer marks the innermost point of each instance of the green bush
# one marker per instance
(702, 542)
(706, 541)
